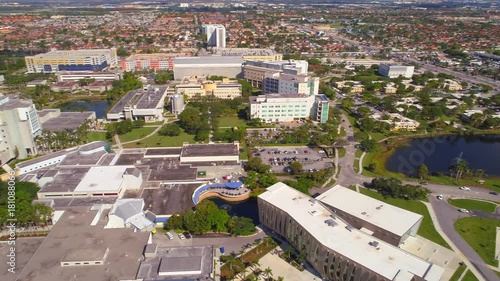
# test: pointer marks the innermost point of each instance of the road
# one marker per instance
(446, 214)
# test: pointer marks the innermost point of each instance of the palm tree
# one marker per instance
(268, 272)
(281, 278)
(480, 173)
(460, 168)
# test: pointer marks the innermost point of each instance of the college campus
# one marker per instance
(250, 141)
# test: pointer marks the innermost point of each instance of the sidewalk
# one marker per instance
(470, 266)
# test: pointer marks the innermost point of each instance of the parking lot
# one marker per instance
(280, 157)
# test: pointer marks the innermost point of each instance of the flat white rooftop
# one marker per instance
(378, 213)
(384, 259)
(105, 179)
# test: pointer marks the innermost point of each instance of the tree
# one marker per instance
(139, 123)
(479, 173)
(121, 52)
(240, 226)
(363, 111)
(296, 167)
(256, 164)
(459, 168)
(170, 130)
(347, 103)
(423, 171)
(268, 272)
(372, 167)
(163, 77)
(369, 145)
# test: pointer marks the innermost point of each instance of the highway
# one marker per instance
(446, 214)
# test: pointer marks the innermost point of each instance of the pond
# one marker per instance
(439, 153)
(247, 208)
(99, 107)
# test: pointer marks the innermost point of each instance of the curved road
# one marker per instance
(446, 214)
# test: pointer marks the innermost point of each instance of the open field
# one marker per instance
(136, 134)
(163, 141)
(480, 234)
(96, 136)
(232, 121)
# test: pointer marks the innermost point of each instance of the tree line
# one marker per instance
(207, 217)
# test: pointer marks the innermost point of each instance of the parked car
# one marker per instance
(465, 188)
(169, 236)
(440, 197)
(187, 235)
(494, 193)
(181, 236)
(463, 210)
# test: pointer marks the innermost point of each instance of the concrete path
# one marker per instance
(497, 246)
(452, 245)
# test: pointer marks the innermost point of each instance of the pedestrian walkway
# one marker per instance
(452, 245)
(497, 246)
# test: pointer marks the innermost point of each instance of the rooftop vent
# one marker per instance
(312, 200)
(374, 244)
(349, 227)
(330, 222)
(333, 216)
(363, 213)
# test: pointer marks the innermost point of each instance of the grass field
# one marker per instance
(136, 134)
(473, 205)
(341, 152)
(480, 234)
(458, 273)
(96, 136)
(159, 141)
(232, 121)
(469, 276)
(427, 229)
(356, 160)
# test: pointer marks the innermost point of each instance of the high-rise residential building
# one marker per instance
(343, 240)
(216, 35)
(19, 125)
(394, 71)
(72, 60)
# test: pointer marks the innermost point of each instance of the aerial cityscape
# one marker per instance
(345, 140)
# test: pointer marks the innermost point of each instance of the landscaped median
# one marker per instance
(481, 235)
(473, 205)
(234, 265)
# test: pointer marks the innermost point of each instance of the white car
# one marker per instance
(169, 236)
(181, 236)
(463, 210)
(465, 188)
(440, 197)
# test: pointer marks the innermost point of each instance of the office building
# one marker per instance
(229, 67)
(216, 35)
(290, 81)
(394, 71)
(146, 103)
(249, 54)
(383, 221)
(156, 61)
(54, 120)
(336, 249)
(80, 248)
(19, 125)
(255, 71)
(199, 86)
(72, 60)
(289, 107)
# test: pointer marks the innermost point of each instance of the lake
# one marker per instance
(98, 106)
(438, 153)
(247, 208)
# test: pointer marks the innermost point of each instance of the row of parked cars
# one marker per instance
(182, 236)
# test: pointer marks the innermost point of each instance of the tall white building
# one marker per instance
(19, 125)
(216, 35)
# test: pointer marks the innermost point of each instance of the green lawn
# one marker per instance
(232, 121)
(378, 136)
(136, 134)
(161, 141)
(473, 205)
(469, 276)
(427, 229)
(341, 152)
(343, 132)
(96, 136)
(356, 160)
(481, 235)
(458, 273)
